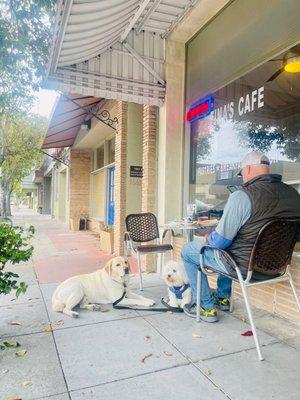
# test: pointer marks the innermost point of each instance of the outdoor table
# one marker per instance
(189, 227)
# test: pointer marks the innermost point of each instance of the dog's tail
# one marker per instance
(57, 305)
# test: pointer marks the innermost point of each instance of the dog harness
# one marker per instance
(179, 290)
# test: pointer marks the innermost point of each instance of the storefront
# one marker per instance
(253, 112)
(240, 97)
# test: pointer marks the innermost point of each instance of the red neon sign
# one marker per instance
(200, 110)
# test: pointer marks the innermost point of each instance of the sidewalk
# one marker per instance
(127, 355)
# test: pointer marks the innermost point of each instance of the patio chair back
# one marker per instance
(142, 227)
(273, 248)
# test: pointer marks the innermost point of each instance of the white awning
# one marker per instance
(113, 48)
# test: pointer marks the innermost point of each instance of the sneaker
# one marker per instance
(223, 304)
(205, 315)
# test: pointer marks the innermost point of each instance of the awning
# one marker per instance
(69, 113)
(113, 48)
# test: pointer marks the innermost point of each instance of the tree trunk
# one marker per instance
(8, 208)
(5, 200)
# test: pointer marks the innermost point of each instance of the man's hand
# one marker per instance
(206, 237)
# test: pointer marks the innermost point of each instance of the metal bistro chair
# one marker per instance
(142, 228)
(269, 263)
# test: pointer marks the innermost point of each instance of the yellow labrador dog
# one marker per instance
(101, 287)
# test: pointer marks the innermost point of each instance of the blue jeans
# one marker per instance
(191, 258)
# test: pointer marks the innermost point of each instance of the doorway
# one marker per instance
(111, 196)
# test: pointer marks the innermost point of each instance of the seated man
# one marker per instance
(262, 198)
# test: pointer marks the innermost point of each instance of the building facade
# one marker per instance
(194, 87)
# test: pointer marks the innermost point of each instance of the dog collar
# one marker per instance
(179, 290)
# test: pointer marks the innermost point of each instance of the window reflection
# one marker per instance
(250, 113)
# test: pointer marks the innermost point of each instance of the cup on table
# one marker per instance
(190, 211)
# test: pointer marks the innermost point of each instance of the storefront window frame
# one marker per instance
(187, 167)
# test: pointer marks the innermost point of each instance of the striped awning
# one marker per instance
(113, 48)
(69, 113)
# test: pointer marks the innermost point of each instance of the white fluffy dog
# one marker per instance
(179, 290)
(101, 287)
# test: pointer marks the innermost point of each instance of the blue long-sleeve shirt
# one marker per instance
(236, 213)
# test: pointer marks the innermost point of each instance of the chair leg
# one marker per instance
(231, 297)
(198, 301)
(140, 270)
(293, 289)
(249, 312)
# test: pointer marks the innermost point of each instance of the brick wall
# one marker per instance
(277, 299)
(149, 173)
(149, 158)
(80, 167)
(120, 177)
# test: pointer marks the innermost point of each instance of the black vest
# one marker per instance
(270, 198)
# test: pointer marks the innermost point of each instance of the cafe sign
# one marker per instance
(244, 105)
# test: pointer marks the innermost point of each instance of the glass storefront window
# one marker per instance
(251, 113)
(111, 150)
(100, 157)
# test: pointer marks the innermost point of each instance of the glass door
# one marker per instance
(110, 196)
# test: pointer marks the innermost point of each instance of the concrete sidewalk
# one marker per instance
(127, 355)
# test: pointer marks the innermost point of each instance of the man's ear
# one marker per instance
(108, 267)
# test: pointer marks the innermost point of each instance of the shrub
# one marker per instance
(14, 248)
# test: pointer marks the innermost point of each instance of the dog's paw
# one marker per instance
(150, 303)
(75, 314)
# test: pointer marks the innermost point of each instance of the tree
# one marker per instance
(286, 137)
(25, 35)
(21, 140)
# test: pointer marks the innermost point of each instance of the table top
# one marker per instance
(184, 225)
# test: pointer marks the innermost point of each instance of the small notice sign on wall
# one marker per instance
(136, 171)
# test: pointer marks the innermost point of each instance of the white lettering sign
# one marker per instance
(245, 105)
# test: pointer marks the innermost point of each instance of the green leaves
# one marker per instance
(14, 248)
(9, 344)
(25, 35)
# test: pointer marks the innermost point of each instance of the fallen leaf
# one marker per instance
(146, 356)
(34, 298)
(169, 312)
(221, 348)
(15, 323)
(104, 310)
(26, 383)
(21, 353)
(147, 338)
(247, 333)
(5, 371)
(11, 343)
(208, 372)
(196, 336)
(48, 329)
(58, 322)
(13, 398)
(243, 319)
(168, 354)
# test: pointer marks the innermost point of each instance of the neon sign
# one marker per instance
(200, 109)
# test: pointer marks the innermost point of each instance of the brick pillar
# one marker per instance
(149, 172)
(79, 189)
(120, 177)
